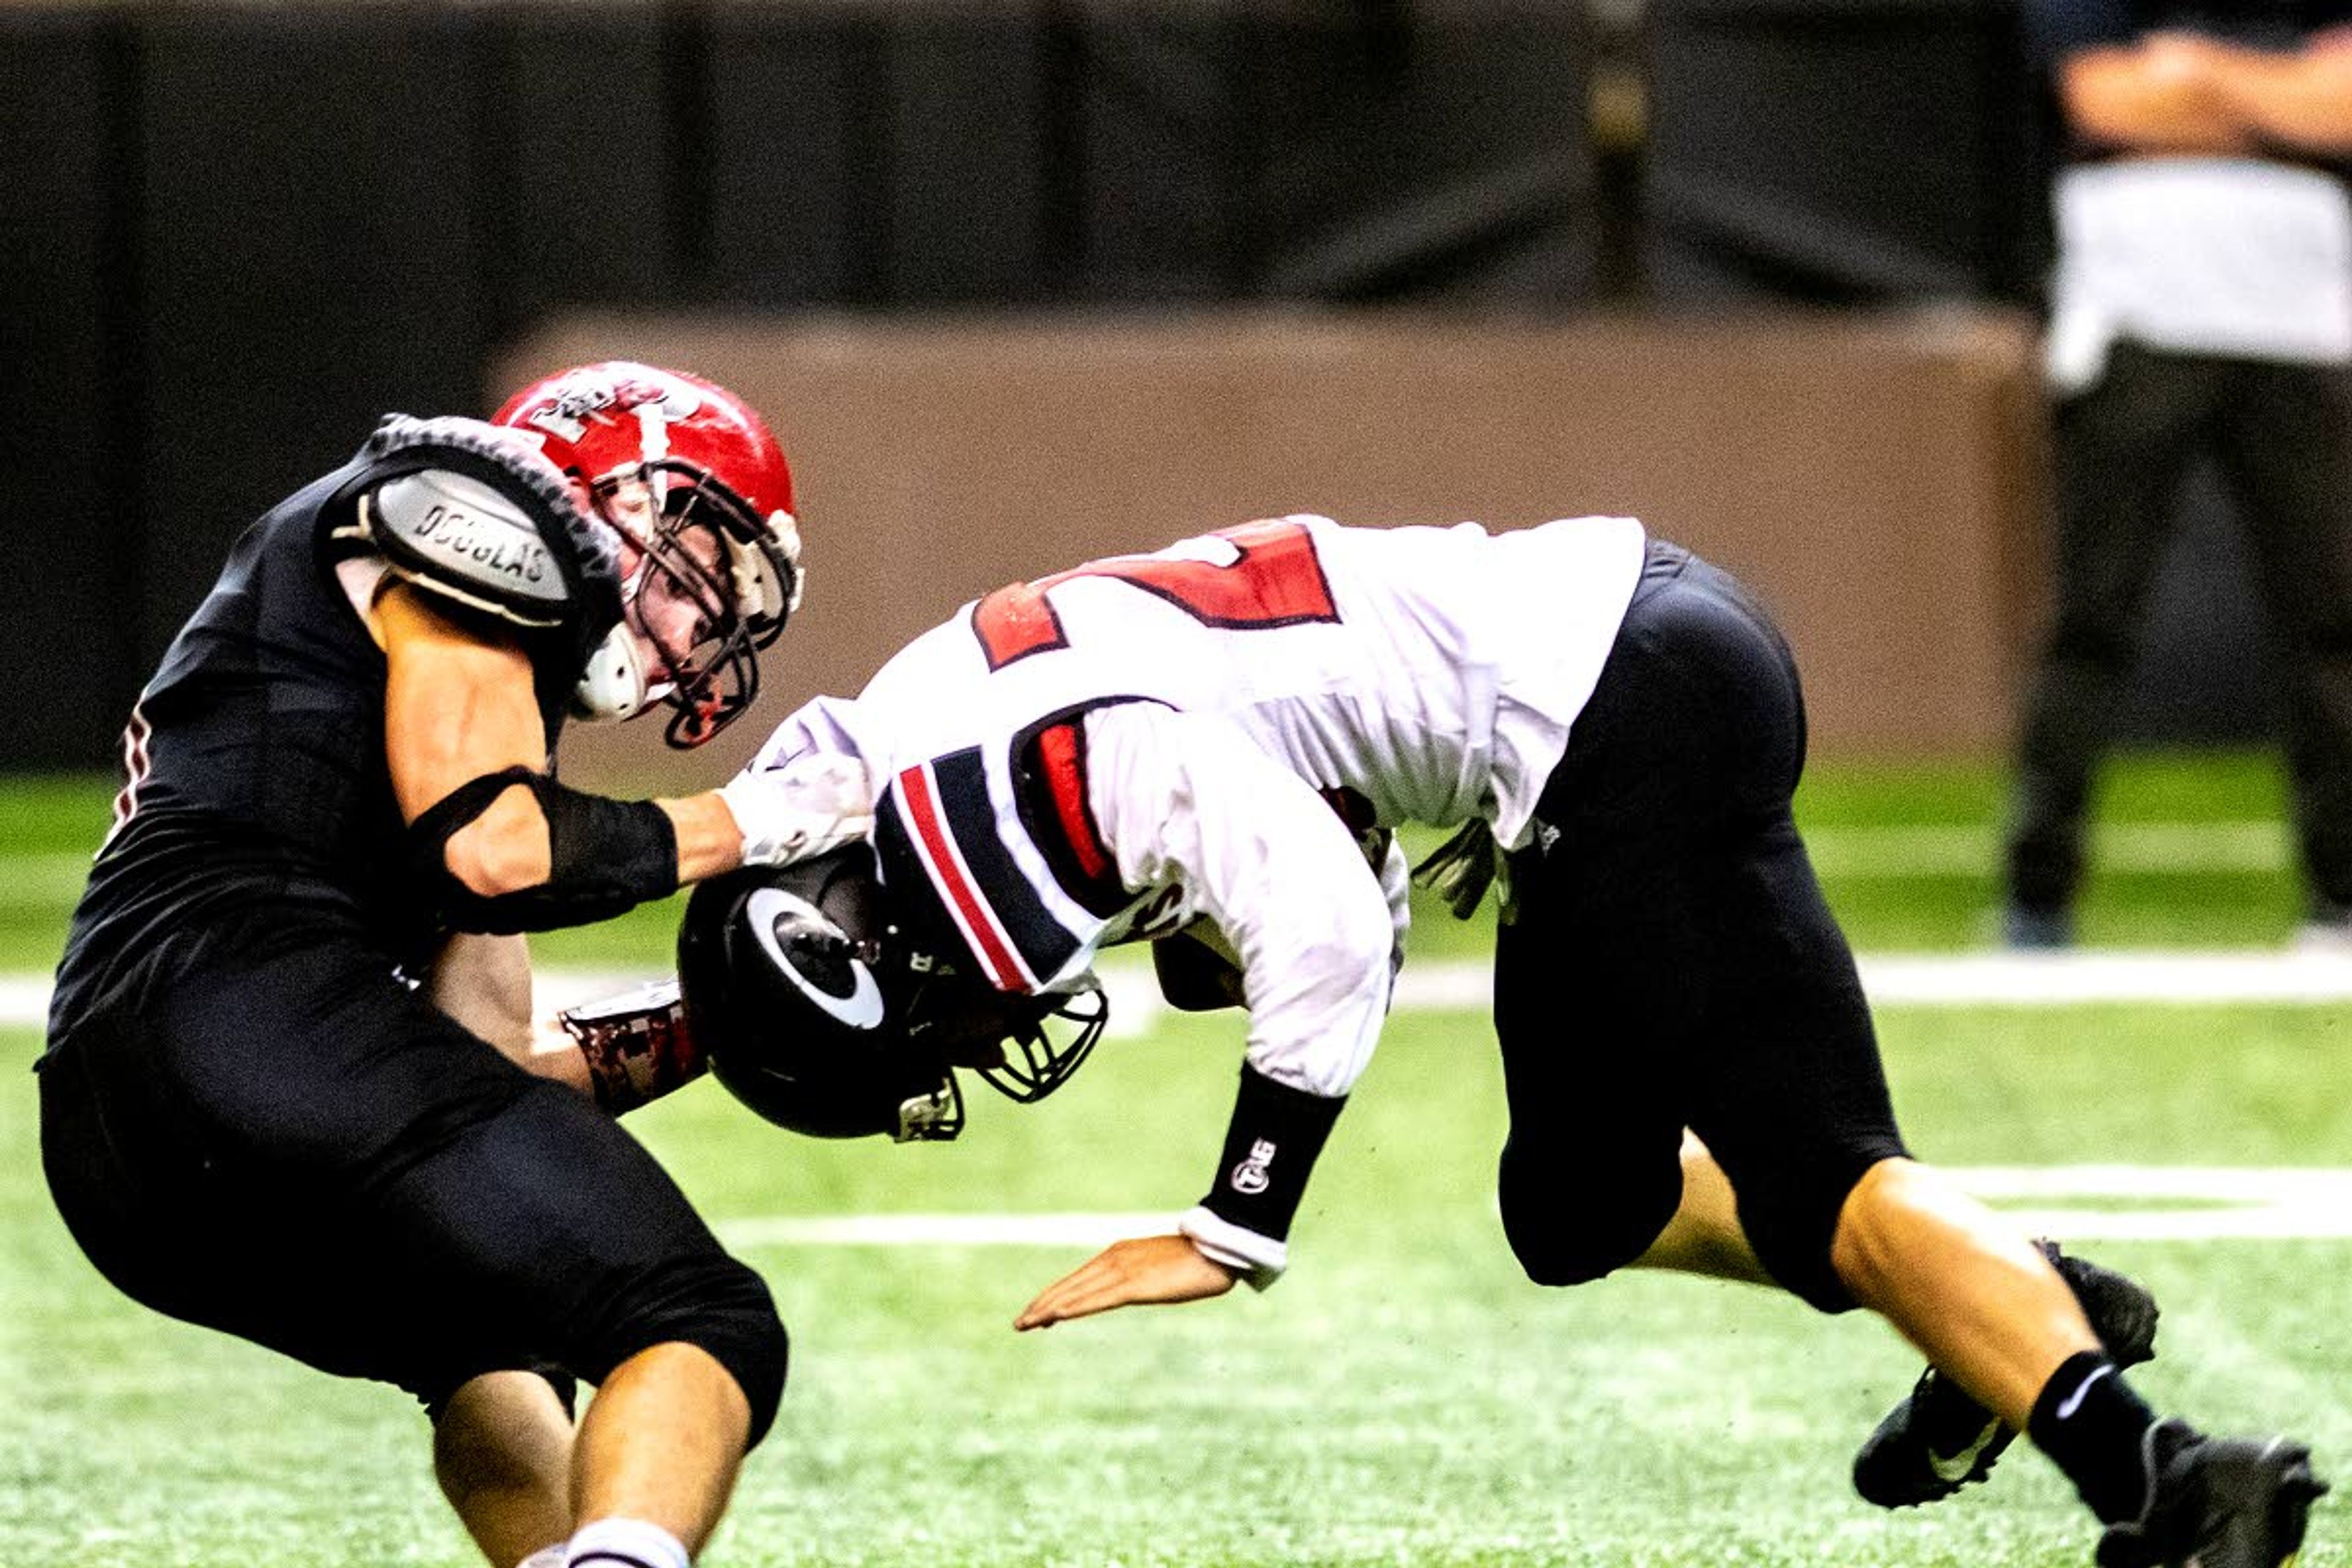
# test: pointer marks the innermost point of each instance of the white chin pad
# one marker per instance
(614, 685)
(758, 591)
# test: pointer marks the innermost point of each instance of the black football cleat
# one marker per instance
(2217, 1502)
(1940, 1439)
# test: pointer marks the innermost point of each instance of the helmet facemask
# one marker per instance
(1024, 1048)
(1043, 1052)
(709, 589)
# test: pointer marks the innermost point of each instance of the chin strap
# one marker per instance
(613, 684)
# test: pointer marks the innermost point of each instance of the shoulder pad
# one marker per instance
(466, 542)
(464, 509)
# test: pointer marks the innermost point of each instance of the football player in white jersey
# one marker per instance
(1207, 747)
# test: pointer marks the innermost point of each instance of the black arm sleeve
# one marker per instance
(605, 855)
(1271, 1144)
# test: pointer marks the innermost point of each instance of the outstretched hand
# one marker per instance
(1144, 1269)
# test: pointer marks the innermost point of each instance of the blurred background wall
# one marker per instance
(1019, 282)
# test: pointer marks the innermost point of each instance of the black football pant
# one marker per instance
(2283, 435)
(262, 1130)
(1672, 963)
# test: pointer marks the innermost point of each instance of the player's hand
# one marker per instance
(810, 804)
(1142, 1270)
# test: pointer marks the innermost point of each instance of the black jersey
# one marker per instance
(256, 761)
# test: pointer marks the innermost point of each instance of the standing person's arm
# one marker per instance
(2298, 101)
(2187, 93)
(2149, 97)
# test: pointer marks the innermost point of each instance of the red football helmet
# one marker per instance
(701, 498)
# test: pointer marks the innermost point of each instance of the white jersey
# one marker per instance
(1431, 674)
(1221, 733)
(2204, 256)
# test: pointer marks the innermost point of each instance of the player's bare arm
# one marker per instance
(2299, 101)
(2148, 99)
(458, 707)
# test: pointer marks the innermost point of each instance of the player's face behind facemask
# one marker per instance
(692, 649)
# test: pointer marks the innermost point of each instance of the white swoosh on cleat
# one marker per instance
(1957, 1467)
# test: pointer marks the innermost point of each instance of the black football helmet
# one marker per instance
(825, 1009)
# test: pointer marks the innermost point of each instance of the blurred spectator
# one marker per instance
(2202, 304)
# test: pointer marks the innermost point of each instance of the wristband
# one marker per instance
(1271, 1145)
(636, 1045)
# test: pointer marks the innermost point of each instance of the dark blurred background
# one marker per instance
(235, 234)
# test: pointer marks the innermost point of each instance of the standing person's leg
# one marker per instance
(2121, 450)
(2286, 449)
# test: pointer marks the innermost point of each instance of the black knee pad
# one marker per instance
(1564, 1232)
(1792, 1220)
(715, 1303)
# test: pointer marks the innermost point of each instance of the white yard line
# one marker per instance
(1970, 979)
(2231, 1204)
(1925, 980)
(1913, 980)
(1079, 1230)
(52, 881)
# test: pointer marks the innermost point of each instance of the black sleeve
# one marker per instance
(2054, 29)
(605, 857)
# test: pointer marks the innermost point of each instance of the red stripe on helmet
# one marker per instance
(971, 910)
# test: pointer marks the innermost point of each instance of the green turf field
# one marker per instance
(1403, 1398)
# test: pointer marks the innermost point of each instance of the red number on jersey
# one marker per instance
(1274, 580)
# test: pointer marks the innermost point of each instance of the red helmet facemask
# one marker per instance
(699, 499)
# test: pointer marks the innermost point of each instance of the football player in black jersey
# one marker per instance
(289, 1090)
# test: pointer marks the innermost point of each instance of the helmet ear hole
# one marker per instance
(614, 685)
